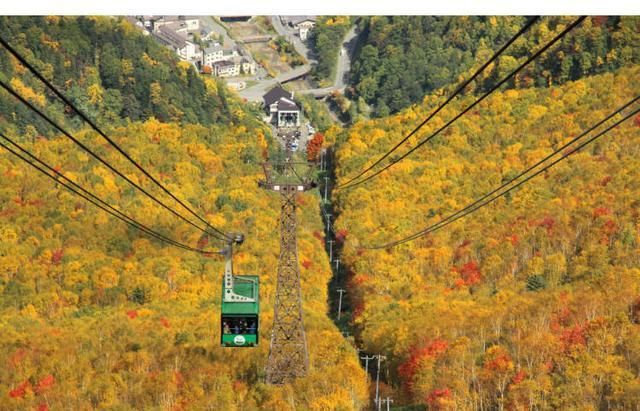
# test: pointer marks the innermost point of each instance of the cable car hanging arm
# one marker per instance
(227, 252)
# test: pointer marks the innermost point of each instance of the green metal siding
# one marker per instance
(245, 289)
(229, 340)
(242, 310)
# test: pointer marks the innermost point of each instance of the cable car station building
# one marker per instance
(282, 110)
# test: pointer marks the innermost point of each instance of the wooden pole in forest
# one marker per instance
(366, 359)
(389, 401)
(341, 291)
(331, 250)
(377, 401)
(326, 184)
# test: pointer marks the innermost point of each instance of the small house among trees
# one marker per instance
(303, 24)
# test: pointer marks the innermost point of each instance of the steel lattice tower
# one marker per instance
(288, 357)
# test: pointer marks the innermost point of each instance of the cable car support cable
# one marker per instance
(460, 88)
(115, 145)
(485, 200)
(89, 196)
(107, 164)
(468, 108)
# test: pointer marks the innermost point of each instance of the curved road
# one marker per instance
(343, 67)
(289, 34)
(349, 44)
(255, 92)
(344, 58)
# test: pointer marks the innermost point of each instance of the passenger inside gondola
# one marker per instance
(239, 325)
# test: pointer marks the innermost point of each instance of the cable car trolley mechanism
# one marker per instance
(240, 304)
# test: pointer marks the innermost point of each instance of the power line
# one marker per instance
(460, 88)
(485, 200)
(90, 197)
(494, 88)
(100, 159)
(450, 219)
(104, 135)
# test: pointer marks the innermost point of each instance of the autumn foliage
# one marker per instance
(533, 293)
(314, 146)
(21, 390)
(417, 354)
(95, 314)
(437, 399)
(469, 274)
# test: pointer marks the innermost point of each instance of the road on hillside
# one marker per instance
(291, 36)
(255, 92)
(348, 48)
(344, 58)
(349, 45)
(229, 43)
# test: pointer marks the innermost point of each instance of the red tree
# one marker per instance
(45, 383)
(600, 211)
(434, 399)
(470, 273)
(573, 337)
(417, 354)
(21, 390)
(314, 145)
(56, 256)
(519, 377)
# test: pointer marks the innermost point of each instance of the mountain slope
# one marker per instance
(95, 315)
(110, 69)
(405, 57)
(533, 301)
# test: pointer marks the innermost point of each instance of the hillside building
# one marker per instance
(281, 108)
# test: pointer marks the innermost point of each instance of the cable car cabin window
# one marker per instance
(239, 331)
(239, 325)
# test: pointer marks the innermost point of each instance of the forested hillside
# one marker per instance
(532, 302)
(326, 40)
(107, 67)
(403, 58)
(95, 315)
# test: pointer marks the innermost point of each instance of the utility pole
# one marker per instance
(331, 250)
(337, 260)
(366, 359)
(288, 356)
(340, 291)
(380, 358)
(326, 184)
(328, 216)
(389, 401)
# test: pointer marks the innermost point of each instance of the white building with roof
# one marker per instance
(303, 24)
(212, 54)
(279, 103)
(226, 68)
(178, 42)
(189, 24)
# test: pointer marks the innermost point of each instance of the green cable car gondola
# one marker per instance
(240, 306)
